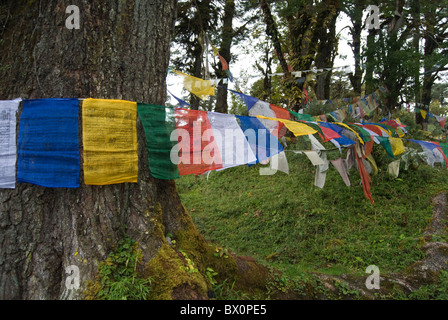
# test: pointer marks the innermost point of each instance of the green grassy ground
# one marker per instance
(288, 223)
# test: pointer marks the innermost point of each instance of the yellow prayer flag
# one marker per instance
(215, 50)
(373, 164)
(397, 146)
(110, 141)
(297, 128)
(199, 87)
(423, 112)
(400, 132)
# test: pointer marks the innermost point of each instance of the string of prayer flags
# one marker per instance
(224, 64)
(440, 119)
(159, 123)
(110, 141)
(48, 144)
(206, 141)
(8, 147)
(199, 87)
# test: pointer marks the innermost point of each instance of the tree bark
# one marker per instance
(429, 75)
(225, 51)
(272, 32)
(325, 53)
(121, 51)
(355, 31)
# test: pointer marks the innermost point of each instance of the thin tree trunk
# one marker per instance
(272, 32)
(356, 77)
(415, 5)
(225, 52)
(429, 74)
(325, 52)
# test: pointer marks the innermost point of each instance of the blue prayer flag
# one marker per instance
(248, 100)
(182, 103)
(48, 143)
(263, 143)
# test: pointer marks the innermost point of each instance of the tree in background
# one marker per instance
(202, 25)
(195, 19)
(354, 9)
(434, 32)
(309, 40)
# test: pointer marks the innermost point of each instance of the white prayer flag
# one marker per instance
(8, 149)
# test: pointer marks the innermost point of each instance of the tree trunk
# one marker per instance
(121, 51)
(226, 45)
(355, 31)
(415, 5)
(429, 74)
(325, 52)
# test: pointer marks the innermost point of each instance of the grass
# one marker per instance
(288, 223)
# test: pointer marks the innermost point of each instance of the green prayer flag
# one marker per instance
(362, 132)
(444, 147)
(158, 123)
(386, 145)
(301, 116)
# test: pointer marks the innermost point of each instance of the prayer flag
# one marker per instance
(199, 87)
(8, 148)
(297, 128)
(159, 123)
(182, 103)
(197, 150)
(48, 144)
(110, 141)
